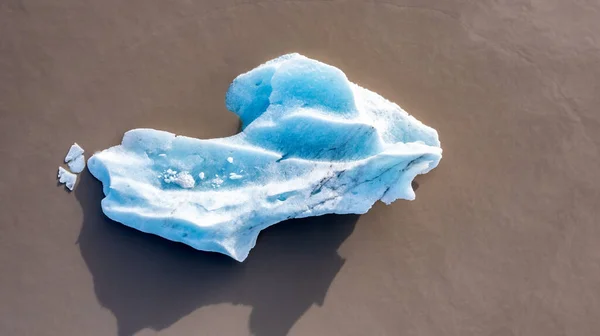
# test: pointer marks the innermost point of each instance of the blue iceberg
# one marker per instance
(312, 143)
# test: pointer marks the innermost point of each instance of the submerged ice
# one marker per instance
(312, 143)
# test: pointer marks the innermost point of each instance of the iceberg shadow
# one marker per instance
(149, 282)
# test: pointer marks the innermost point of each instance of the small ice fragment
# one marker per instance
(168, 176)
(201, 175)
(74, 152)
(217, 180)
(230, 159)
(183, 179)
(234, 176)
(75, 159)
(162, 155)
(77, 164)
(66, 177)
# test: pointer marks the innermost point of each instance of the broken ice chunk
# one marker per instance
(217, 181)
(185, 180)
(74, 152)
(66, 177)
(230, 159)
(77, 164)
(75, 159)
(182, 179)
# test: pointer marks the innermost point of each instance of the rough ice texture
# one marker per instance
(74, 152)
(69, 179)
(75, 159)
(77, 164)
(312, 143)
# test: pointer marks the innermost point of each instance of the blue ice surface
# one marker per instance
(312, 143)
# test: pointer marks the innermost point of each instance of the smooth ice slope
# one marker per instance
(312, 143)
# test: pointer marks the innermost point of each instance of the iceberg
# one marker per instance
(312, 143)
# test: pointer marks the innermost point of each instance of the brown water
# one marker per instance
(503, 239)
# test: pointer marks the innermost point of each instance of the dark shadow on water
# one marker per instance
(149, 282)
(415, 185)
